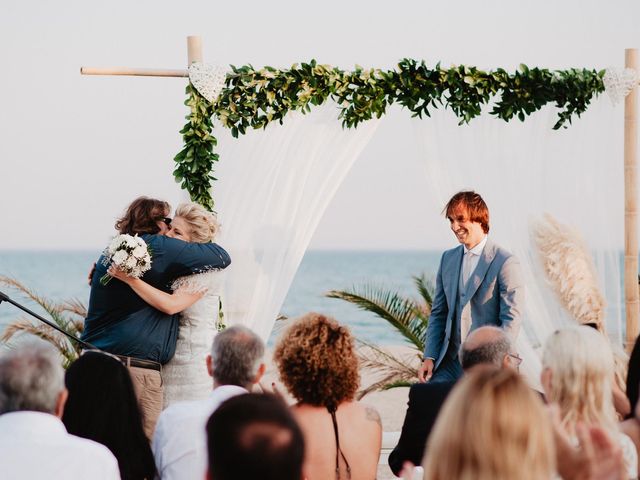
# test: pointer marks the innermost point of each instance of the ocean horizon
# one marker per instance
(62, 275)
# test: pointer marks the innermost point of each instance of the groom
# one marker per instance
(119, 322)
(478, 283)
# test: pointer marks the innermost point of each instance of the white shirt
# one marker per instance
(180, 440)
(35, 445)
(470, 261)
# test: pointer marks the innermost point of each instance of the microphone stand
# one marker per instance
(5, 298)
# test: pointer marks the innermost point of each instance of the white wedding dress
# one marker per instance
(185, 376)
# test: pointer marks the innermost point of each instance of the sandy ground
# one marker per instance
(391, 404)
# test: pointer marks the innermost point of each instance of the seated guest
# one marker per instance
(102, 406)
(492, 427)
(633, 377)
(179, 443)
(620, 367)
(577, 375)
(484, 346)
(33, 441)
(317, 362)
(254, 436)
(631, 426)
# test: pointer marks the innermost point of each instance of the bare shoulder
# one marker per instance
(371, 413)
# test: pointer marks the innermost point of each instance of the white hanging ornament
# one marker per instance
(619, 83)
(208, 80)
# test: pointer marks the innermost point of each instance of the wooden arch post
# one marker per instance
(632, 303)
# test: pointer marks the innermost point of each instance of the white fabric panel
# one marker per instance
(274, 186)
(525, 169)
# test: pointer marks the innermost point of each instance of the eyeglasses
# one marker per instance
(167, 221)
(517, 359)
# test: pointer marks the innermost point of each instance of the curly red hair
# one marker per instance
(317, 361)
(474, 204)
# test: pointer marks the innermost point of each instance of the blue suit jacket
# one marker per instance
(495, 292)
(119, 321)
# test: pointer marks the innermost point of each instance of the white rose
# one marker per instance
(131, 263)
(120, 257)
(131, 242)
(113, 246)
(140, 251)
(140, 241)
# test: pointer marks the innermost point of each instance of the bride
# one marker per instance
(197, 297)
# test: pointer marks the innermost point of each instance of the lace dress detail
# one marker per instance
(185, 376)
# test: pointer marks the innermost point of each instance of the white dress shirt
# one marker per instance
(36, 445)
(180, 440)
(470, 261)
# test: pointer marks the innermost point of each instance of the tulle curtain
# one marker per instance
(525, 169)
(274, 186)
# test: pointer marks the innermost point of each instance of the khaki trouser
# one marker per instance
(147, 384)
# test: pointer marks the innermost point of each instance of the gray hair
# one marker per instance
(31, 378)
(236, 353)
(490, 352)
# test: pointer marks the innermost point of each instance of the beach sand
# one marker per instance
(391, 404)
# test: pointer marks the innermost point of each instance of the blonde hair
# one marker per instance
(581, 364)
(492, 427)
(203, 224)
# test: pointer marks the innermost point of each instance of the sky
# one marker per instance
(75, 150)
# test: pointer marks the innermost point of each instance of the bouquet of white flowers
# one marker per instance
(130, 254)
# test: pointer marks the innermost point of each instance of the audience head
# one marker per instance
(194, 223)
(103, 407)
(32, 379)
(236, 357)
(488, 346)
(317, 361)
(254, 436)
(145, 215)
(492, 427)
(474, 205)
(577, 375)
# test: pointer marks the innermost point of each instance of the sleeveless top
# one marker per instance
(338, 449)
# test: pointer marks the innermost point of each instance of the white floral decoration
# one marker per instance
(207, 79)
(619, 83)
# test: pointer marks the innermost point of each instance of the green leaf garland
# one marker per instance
(254, 98)
(194, 163)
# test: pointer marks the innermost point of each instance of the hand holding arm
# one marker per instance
(165, 302)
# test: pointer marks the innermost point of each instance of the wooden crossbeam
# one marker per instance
(194, 54)
(135, 72)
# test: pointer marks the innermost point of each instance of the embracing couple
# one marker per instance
(139, 320)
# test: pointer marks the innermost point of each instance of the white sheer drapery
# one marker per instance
(525, 169)
(274, 186)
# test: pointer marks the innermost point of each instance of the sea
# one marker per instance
(62, 275)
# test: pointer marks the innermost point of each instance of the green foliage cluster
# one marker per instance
(194, 163)
(254, 98)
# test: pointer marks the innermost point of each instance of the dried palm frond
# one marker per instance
(45, 332)
(391, 370)
(570, 271)
(68, 315)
